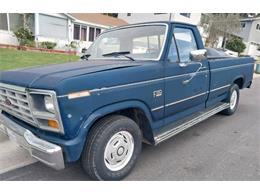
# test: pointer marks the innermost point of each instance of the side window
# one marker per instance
(173, 54)
(185, 43)
(149, 46)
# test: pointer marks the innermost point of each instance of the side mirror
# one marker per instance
(84, 50)
(198, 55)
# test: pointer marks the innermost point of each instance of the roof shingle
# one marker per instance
(99, 19)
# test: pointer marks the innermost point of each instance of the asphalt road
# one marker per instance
(220, 148)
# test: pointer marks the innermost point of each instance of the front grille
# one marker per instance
(16, 103)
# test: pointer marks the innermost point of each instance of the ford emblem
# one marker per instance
(8, 102)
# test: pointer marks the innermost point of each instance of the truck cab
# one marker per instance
(138, 83)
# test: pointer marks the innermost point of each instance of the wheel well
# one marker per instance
(141, 120)
(239, 82)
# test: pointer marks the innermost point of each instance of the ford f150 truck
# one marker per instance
(137, 83)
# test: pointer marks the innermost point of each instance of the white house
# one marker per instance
(192, 18)
(250, 33)
(59, 28)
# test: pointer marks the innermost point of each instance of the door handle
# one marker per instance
(193, 74)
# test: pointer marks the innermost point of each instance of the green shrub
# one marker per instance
(48, 45)
(24, 36)
(72, 45)
(236, 45)
(29, 43)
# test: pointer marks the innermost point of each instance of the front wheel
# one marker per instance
(233, 100)
(112, 148)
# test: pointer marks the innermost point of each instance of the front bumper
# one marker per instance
(46, 152)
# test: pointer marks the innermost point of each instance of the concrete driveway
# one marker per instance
(220, 148)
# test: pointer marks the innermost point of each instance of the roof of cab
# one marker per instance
(153, 22)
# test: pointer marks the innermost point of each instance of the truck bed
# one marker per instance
(225, 70)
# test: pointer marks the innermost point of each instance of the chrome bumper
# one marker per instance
(46, 152)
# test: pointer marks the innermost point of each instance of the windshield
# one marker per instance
(137, 42)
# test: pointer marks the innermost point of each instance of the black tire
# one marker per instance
(231, 110)
(93, 157)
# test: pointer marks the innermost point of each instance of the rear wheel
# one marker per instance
(112, 148)
(233, 100)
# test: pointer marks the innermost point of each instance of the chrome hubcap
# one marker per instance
(119, 151)
(233, 99)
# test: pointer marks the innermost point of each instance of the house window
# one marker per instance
(98, 31)
(128, 14)
(258, 26)
(185, 14)
(3, 22)
(83, 33)
(243, 24)
(91, 34)
(76, 32)
(16, 21)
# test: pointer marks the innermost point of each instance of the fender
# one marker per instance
(99, 113)
(73, 148)
(240, 77)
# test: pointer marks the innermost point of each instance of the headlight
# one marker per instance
(49, 104)
(45, 110)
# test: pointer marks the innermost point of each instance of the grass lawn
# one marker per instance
(12, 59)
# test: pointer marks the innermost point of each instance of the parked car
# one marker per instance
(100, 110)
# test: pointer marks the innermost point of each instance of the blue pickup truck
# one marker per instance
(137, 83)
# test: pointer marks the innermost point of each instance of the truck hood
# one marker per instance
(51, 75)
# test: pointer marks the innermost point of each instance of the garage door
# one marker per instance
(53, 27)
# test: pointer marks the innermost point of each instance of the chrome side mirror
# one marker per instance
(84, 50)
(198, 55)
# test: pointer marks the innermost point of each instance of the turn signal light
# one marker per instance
(54, 124)
(79, 94)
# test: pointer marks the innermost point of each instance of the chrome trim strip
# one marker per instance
(136, 83)
(179, 101)
(158, 108)
(62, 96)
(183, 126)
(216, 89)
(230, 67)
(140, 25)
(187, 74)
(13, 87)
(125, 85)
(185, 99)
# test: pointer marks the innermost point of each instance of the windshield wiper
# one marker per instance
(85, 56)
(120, 53)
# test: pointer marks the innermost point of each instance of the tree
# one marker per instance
(24, 37)
(216, 25)
(236, 44)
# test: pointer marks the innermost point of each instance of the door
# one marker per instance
(187, 82)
